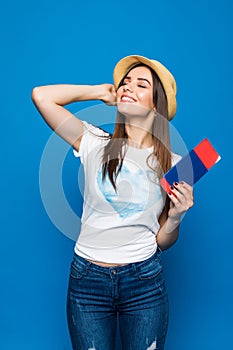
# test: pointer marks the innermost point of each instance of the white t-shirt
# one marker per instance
(118, 227)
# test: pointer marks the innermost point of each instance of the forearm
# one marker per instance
(168, 233)
(63, 94)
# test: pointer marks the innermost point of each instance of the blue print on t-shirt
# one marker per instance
(133, 191)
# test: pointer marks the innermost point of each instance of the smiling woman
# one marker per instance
(137, 89)
(127, 218)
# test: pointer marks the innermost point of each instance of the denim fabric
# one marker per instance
(135, 291)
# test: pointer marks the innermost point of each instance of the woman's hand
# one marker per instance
(181, 195)
(109, 94)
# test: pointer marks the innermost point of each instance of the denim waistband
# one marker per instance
(120, 268)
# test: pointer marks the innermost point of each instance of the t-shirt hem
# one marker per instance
(114, 257)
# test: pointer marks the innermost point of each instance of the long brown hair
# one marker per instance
(113, 155)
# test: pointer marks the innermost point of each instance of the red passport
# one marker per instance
(192, 166)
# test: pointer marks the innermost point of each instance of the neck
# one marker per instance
(138, 137)
(139, 134)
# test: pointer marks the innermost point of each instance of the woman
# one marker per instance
(127, 219)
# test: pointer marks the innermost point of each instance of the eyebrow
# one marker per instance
(141, 79)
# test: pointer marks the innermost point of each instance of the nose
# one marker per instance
(128, 87)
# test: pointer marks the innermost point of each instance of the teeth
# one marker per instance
(127, 99)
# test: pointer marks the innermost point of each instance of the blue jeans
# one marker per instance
(135, 292)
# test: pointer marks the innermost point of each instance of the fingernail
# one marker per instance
(182, 182)
(171, 188)
(176, 183)
(170, 194)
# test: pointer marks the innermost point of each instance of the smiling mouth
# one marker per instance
(127, 99)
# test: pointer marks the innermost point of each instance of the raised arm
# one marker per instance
(50, 99)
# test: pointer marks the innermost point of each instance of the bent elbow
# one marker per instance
(36, 94)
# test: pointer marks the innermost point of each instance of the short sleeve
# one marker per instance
(92, 137)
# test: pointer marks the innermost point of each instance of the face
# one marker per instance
(136, 93)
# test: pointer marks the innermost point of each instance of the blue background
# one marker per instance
(79, 42)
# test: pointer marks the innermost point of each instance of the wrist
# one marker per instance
(174, 218)
(172, 223)
(97, 92)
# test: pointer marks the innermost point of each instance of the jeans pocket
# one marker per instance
(149, 271)
(77, 271)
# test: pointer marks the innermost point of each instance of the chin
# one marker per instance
(132, 110)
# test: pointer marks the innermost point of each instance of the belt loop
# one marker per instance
(134, 267)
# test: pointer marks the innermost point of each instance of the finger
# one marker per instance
(187, 191)
(185, 199)
(174, 199)
(185, 185)
(114, 91)
(112, 103)
(178, 195)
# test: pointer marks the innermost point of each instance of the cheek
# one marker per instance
(146, 99)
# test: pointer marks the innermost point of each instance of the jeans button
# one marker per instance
(114, 272)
